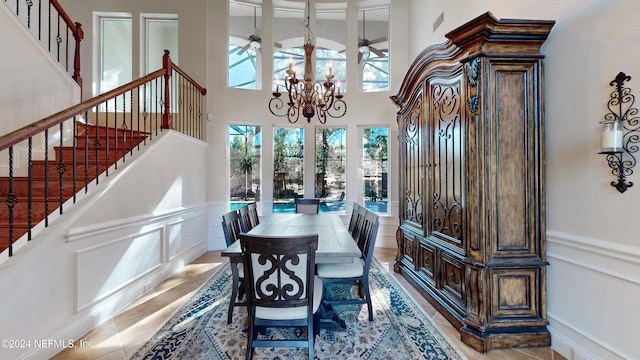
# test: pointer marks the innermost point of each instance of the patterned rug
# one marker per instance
(400, 328)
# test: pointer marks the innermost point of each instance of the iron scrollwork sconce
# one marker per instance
(621, 133)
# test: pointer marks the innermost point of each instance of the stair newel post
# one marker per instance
(78, 34)
(166, 117)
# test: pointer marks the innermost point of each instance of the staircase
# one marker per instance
(55, 181)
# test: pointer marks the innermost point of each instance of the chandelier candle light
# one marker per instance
(309, 97)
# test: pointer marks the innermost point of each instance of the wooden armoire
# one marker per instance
(472, 181)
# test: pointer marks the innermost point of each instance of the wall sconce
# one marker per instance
(621, 133)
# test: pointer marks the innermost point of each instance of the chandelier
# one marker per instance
(309, 97)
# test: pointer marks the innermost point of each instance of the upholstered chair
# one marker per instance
(357, 272)
(232, 228)
(307, 206)
(282, 289)
(245, 218)
(253, 214)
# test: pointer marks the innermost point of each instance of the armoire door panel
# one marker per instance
(412, 183)
(515, 128)
(445, 131)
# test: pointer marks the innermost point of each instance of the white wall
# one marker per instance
(592, 244)
(133, 230)
(423, 14)
(34, 85)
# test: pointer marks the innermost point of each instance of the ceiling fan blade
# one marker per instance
(377, 52)
(244, 48)
(277, 45)
(378, 40)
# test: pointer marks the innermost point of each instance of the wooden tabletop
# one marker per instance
(335, 244)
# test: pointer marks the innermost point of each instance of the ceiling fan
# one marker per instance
(365, 46)
(254, 41)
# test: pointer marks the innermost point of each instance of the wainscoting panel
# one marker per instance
(185, 233)
(105, 268)
(593, 289)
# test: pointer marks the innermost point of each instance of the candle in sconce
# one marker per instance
(611, 137)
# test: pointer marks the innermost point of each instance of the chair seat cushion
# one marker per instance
(342, 270)
(295, 312)
(241, 270)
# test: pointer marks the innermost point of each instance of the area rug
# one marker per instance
(400, 328)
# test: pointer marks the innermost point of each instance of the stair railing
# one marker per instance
(53, 27)
(51, 160)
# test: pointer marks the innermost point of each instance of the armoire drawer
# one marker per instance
(452, 280)
(426, 263)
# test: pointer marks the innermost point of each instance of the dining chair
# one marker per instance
(357, 227)
(307, 206)
(283, 290)
(232, 229)
(253, 214)
(245, 218)
(354, 218)
(356, 272)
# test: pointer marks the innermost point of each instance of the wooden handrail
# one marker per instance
(202, 90)
(75, 27)
(33, 129)
(37, 127)
(78, 35)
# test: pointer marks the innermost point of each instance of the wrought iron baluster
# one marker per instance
(29, 5)
(46, 177)
(130, 142)
(61, 168)
(108, 144)
(115, 132)
(58, 40)
(86, 152)
(11, 200)
(30, 188)
(97, 145)
(145, 114)
(74, 165)
(66, 50)
(49, 30)
(39, 19)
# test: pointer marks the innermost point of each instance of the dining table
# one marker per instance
(335, 245)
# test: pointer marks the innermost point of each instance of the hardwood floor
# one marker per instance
(119, 336)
